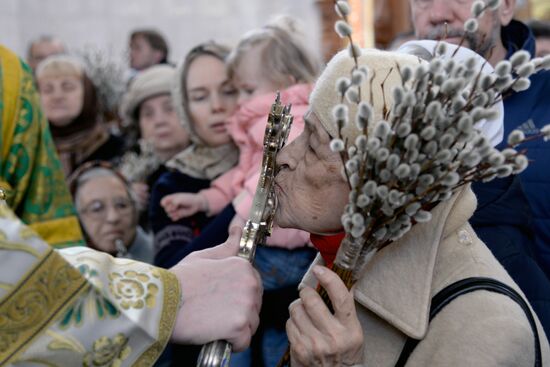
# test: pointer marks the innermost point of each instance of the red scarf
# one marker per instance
(327, 246)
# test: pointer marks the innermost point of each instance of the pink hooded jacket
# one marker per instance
(238, 185)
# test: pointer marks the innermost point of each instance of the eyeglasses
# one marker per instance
(97, 209)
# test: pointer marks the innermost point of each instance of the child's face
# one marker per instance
(250, 79)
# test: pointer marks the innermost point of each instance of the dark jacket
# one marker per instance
(168, 234)
(110, 151)
(504, 216)
(529, 111)
(503, 221)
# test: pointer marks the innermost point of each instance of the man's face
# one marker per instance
(543, 46)
(142, 55)
(444, 20)
(41, 50)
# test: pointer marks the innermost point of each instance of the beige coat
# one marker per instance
(477, 329)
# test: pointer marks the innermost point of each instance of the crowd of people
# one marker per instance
(160, 181)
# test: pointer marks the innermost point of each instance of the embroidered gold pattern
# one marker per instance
(133, 289)
(64, 342)
(36, 302)
(107, 352)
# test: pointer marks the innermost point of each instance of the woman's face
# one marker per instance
(212, 99)
(106, 212)
(310, 188)
(62, 98)
(160, 125)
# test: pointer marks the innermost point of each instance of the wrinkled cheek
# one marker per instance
(305, 203)
(290, 205)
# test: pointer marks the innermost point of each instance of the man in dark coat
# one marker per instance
(513, 214)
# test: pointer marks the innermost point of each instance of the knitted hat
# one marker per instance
(153, 81)
(381, 66)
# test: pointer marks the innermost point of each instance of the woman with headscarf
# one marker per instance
(80, 307)
(204, 98)
(73, 111)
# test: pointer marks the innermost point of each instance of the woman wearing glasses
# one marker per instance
(106, 207)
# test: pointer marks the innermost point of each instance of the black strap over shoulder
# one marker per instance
(449, 293)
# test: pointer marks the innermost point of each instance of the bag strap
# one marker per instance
(457, 289)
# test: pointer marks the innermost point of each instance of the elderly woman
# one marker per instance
(391, 300)
(148, 107)
(73, 110)
(151, 116)
(107, 209)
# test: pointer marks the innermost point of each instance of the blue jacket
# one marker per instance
(529, 111)
(503, 218)
(503, 221)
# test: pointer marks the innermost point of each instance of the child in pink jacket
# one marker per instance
(238, 185)
(270, 59)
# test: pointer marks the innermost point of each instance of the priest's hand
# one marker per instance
(222, 296)
(319, 338)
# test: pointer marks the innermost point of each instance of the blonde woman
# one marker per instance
(73, 111)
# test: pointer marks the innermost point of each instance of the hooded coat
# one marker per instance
(394, 294)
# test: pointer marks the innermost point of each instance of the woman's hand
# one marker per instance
(319, 338)
(183, 205)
